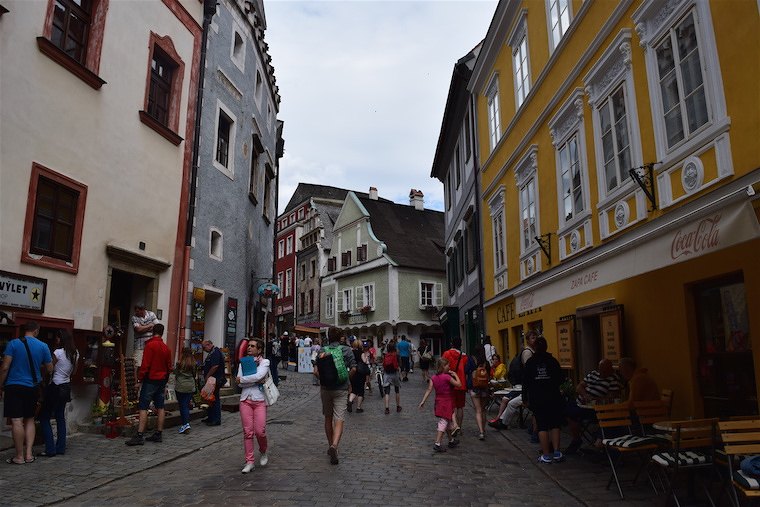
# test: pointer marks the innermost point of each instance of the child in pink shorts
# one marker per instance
(443, 382)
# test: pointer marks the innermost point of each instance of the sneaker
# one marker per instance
(359, 410)
(481, 436)
(545, 458)
(573, 447)
(387, 411)
(155, 437)
(398, 408)
(558, 457)
(248, 467)
(438, 448)
(333, 452)
(264, 459)
(184, 428)
(496, 423)
(453, 443)
(456, 432)
(136, 440)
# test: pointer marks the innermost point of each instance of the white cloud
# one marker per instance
(364, 85)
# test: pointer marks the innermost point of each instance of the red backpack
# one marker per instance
(390, 363)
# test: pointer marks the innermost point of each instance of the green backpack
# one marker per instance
(332, 367)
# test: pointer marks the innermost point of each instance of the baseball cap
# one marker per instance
(285, 333)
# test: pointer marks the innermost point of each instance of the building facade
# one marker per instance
(627, 173)
(455, 165)
(386, 271)
(235, 206)
(98, 105)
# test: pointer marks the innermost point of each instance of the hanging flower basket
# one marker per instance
(365, 309)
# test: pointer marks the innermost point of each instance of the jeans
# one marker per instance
(51, 446)
(253, 415)
(273, 370)
(215, 409)
(184, 406)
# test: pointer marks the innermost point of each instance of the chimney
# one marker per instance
(373, 193)
(416, 199)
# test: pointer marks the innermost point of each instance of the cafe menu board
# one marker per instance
(565, 352)
(611, 326)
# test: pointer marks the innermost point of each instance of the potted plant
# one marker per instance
(365, 309)
(345, 314)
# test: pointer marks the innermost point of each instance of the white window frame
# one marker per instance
(526, 173)
(289, 245)
(330, 306)
(494, 112)
(228, 171)
(365, 296)
(239, 59)
(518, 41)
(611, 73)
(280, 278)
(550, 6)
(566, 125)
(281, 249)
(345, 299)
(219, 255)
(436, 294)
(288, 282)
(654, 19)
(498, 229)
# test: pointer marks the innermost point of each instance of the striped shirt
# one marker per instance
(142, 338)
(602, 387)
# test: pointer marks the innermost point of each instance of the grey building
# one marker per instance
(235, 202)
(456, 165)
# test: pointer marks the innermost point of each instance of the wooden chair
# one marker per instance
(667, 396)
(648, 413)
(740, 438)
(615, 424)
(693, 451)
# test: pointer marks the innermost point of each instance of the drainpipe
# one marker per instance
(209, 9)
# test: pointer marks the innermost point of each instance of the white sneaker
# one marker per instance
(263, 459)
(248, 467)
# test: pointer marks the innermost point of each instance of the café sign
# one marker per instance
(23, 292)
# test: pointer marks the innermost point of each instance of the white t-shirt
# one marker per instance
(63, 367)
(307, 341)
(490, 350)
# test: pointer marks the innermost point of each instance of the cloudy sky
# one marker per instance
(364, 85)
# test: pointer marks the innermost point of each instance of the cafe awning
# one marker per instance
(696, 229)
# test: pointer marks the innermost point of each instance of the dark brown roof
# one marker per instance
(414, 237)
(305, 191)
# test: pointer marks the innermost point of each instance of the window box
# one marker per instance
(365, 309)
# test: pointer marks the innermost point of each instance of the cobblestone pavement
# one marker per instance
(384, 460)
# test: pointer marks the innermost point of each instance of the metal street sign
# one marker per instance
(21, 291)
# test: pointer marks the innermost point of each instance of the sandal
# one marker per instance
(30, 460)
(12, 461)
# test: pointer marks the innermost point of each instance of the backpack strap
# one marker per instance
(31, 363)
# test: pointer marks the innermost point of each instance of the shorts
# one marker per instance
(404, 363)
(138, 355)
(548, 418)
(391, 379)
(480, 393)
(334, 403)
(151, 390)
(460, 397)
(444, 424)
(20, 401)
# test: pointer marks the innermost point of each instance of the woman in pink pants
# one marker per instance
(252, 372)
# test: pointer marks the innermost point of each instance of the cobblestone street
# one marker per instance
(384, 460)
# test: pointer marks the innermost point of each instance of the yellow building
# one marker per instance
(619, 148)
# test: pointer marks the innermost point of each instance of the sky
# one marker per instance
(363, 86)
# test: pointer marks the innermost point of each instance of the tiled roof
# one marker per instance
(414, 237)
(305, 191)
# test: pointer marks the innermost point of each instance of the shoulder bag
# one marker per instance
(271, 393)
(35, 376)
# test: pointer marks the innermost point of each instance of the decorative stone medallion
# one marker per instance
(622, 214)
(530, 266)
(692, 174)
(575, 241)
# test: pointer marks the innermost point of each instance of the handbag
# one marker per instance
(37, 383)
(271, 393)
(207, 392)
(427, 354)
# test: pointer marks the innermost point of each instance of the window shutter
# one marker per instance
(421, 300)
(438, 296)
(331, 264)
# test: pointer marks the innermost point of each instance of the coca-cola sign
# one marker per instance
(703, 236)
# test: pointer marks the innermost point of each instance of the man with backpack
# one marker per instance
(509, 408)
(335, 364)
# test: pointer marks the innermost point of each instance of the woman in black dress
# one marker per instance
(426, 357)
